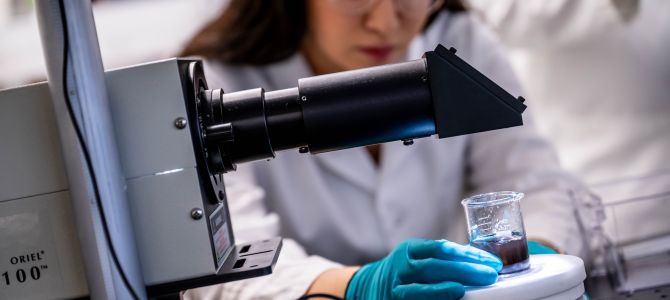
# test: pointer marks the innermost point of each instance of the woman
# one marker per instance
(355, 206)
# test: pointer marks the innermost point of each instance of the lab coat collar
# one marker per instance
(354, 165)
(285, 74)
(393, 155)
(357, 166)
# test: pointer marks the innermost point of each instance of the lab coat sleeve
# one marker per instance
(550, 23)
(518, 159)
(295, 270)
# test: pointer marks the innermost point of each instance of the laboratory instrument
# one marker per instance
(634, 266)
(112, 186)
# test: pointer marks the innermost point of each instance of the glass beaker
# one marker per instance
(495, 225)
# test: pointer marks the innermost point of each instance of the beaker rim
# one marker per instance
(494, 198)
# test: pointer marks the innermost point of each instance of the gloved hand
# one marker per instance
(424, 269)
(537, 248)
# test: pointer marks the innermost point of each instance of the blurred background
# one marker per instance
(129, 32)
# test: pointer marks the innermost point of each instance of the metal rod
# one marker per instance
(100, 206)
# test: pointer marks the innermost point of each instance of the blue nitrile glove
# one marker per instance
(537, 248)
(424, 269)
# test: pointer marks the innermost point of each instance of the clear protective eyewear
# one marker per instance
(403, 7)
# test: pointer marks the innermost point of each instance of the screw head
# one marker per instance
(303, 98)
(408, 142)
(303, 149)
(197, 213)
(180, 123)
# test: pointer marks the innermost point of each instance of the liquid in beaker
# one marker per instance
(495, 225)
(512, 250)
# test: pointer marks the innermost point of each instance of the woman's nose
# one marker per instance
(383, 17)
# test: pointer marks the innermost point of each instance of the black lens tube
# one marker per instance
(438, 94)
(284, 117)
(367, 106)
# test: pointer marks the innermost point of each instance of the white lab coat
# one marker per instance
(599, 73)
(340, 206)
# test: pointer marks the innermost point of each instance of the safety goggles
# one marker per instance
(409, 8)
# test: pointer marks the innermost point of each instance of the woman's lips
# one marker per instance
(378, 53)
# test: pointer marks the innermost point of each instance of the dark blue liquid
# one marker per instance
(512, 250)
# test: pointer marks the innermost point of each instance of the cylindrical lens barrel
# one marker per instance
(325, 113)
(367, 106)
(283, 115)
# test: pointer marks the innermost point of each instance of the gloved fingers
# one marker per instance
(466, 253)
(419, 248)
(446, 250)
(434, 270)
(443, 291)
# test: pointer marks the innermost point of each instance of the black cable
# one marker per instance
(319, 295)
(87, 156)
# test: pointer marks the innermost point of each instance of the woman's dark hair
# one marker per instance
(255, 32)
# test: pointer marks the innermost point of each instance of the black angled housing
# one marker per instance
(465, 100)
